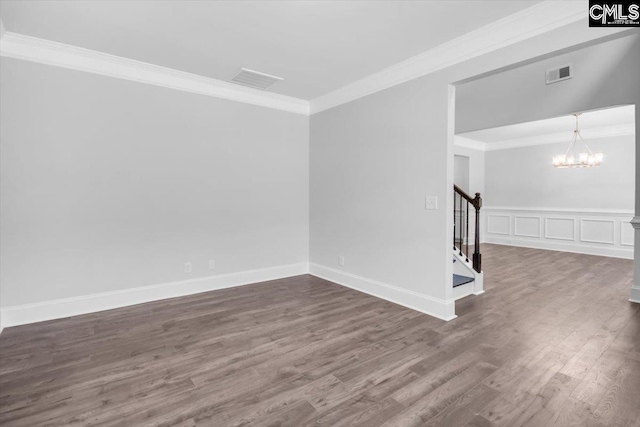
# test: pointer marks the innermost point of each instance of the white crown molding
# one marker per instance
(553, 138)
(34, 49)
(531, 22)
(469, 143)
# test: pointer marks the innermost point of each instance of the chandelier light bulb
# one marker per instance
(584, 157)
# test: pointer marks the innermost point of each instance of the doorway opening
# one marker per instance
(583, 205)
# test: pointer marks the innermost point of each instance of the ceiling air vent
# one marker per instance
(255, 79)
(555, 75)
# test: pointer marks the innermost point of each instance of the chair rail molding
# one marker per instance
(602, 232)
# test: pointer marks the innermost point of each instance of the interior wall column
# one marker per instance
(635, 288)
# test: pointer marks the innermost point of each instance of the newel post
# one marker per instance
(477, 257)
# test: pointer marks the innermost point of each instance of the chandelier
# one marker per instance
(586, 159)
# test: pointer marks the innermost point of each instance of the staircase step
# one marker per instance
(459, 280)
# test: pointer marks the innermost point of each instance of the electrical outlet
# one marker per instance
(431, 203)
(341, 261)
(212, 264)
(187, 267)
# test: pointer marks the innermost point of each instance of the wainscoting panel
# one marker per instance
(560, 228)
(626, 234)
(595, 232)
(498, 224)
(527, 226)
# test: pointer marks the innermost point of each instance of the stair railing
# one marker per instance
(461, 203)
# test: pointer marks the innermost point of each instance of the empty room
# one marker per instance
(319, 213)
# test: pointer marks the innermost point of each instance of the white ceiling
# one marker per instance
(592, 123)
(316, 46)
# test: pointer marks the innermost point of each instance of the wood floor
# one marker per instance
(553, 341)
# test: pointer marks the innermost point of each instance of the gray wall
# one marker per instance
(108, 184)
(525, 177)
(374, 160)
(605, 75)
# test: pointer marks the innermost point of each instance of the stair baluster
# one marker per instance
(467, 233)
(459, 229)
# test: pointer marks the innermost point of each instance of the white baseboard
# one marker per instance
(562, 247)
(463, 291)
(635, 294)
(435, 307)
(56, 309)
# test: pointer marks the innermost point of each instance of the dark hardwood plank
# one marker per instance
(553, 341)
